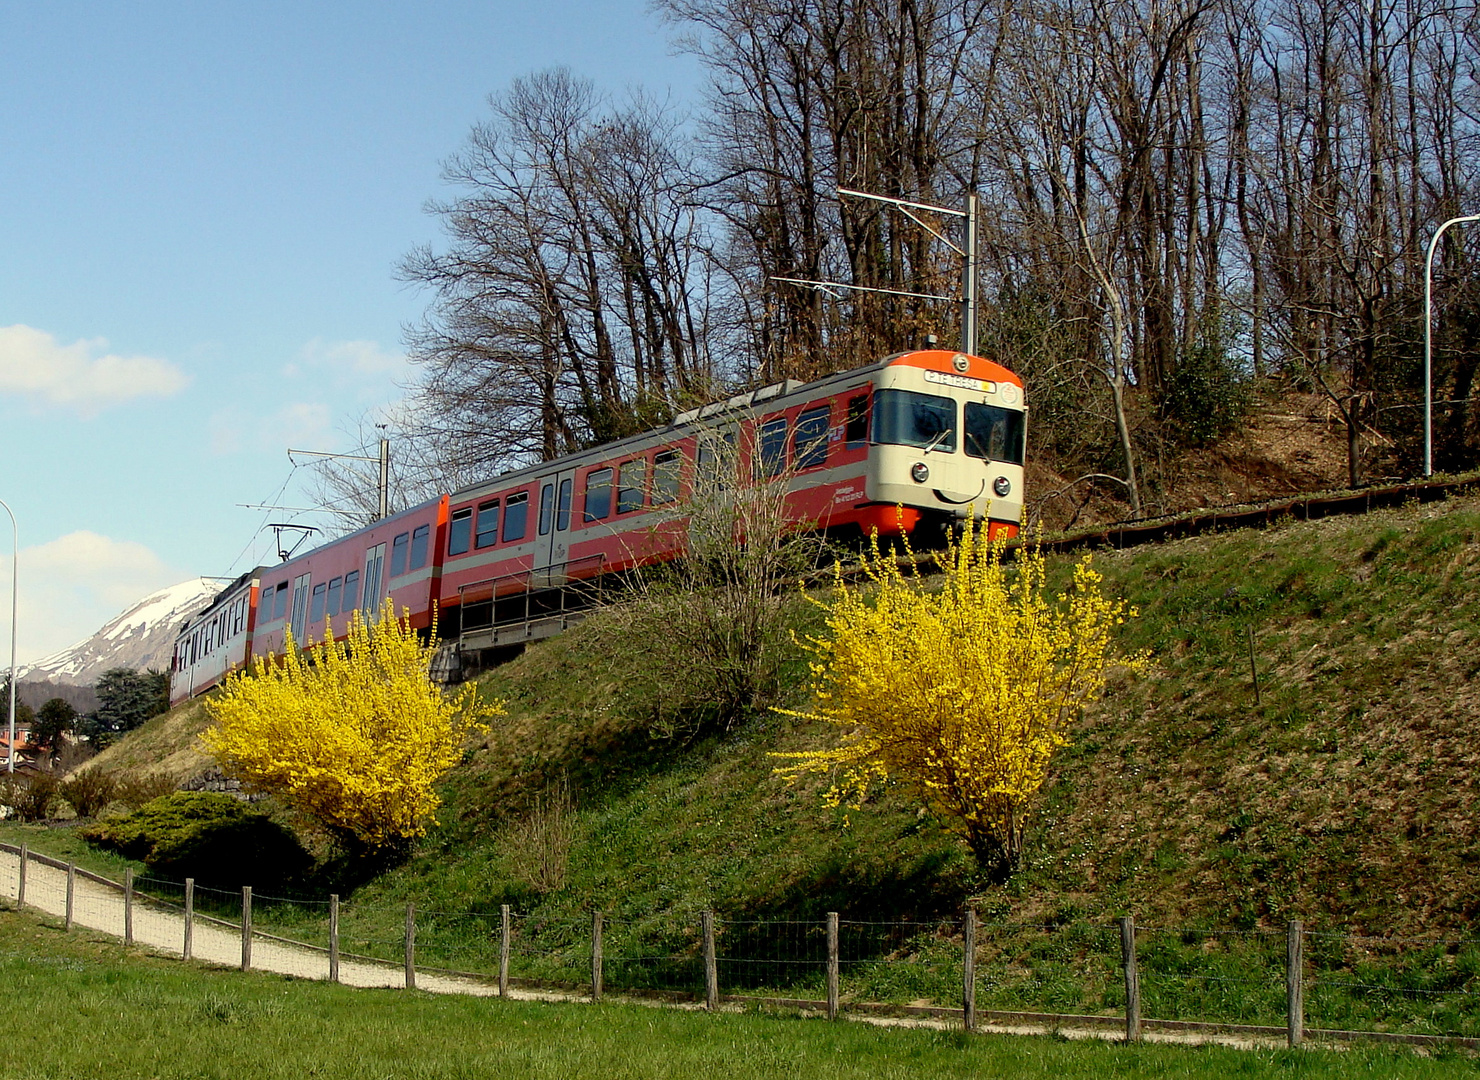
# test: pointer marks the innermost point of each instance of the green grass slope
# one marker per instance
(1343, 795)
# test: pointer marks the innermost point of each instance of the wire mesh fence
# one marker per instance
(1075, 970)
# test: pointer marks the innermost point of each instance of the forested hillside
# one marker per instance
(1186, 209)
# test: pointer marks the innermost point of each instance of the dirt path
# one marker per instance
(161, 927)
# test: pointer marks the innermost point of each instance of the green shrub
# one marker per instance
(211, 837)
(90, 792)
(29, 798)
(134, 790)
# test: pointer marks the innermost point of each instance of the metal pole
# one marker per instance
(1428, 344)
(968, 280)
(385, 478)
(15, 558)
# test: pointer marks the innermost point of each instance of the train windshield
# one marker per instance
(993, 433)
(906, 418)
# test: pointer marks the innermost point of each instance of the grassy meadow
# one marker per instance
(1340, 793)
(92, 1010)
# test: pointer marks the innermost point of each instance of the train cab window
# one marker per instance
(419, 538)
(547, 508)
(399, 546)
(351, 592)
(336, 597)
(905, 418)
(460, 531)
(280, 603)
(598, 494)
(316, 609)
(562, 506)
(631, 480)
(994, 434)
(809, 438)
(487, 531)
(667, 476)
(516, 514)
(855, 427)
(771, 460)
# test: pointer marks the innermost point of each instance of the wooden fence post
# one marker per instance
(1132, 979)
(595, 957)
(968, 971)
(410, 946)
(503, 951)
(20, 891)
(334, 937)
(711, 964)
(187, 949)
(71, 891)
(1295, 983)
(128, 907)
(246, 927)
(832, 965)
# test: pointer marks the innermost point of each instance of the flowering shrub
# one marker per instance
(962, 694)
(351, 735)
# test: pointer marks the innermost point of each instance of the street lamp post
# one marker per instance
(15, 558)
(1428, 344)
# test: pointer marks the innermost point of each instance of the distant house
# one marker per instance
(25, 753)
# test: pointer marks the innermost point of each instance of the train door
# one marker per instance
(371, 597)
(299, 622)
(552, 540)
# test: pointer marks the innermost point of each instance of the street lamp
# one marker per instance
(15, 557)
(1428, 344)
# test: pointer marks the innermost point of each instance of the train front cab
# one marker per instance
(947, 435)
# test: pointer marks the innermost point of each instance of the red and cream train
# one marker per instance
(913, 441)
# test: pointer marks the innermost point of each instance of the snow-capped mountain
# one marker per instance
(142, 637)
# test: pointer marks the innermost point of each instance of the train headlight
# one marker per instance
(919, 472)
(1002, 485)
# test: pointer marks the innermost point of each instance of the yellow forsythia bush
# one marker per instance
(351, 735)
(962, 694)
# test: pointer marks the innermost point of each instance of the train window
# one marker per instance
(562, 509)
(316, 609)
(280, 604)
(716, 457)
(631, 480)
(905, 418)
(809, 438)
(667, 475)
(993, 433)
(336, 597)
(460, 531)
(855, 427)
(419, 537)
(398, 554)
(516, 513)
(547, 508)
(351, 592)
(772, 458)
(598, 494)
(487, 532)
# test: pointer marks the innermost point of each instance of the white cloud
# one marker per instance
(347, 361)
(299, 425)
(75, 376)
(71, 586)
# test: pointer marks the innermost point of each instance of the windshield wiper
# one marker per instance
(936, 441)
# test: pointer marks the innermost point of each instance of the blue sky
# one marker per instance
(201, 209)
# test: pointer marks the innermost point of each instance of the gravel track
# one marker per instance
(161, 927)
